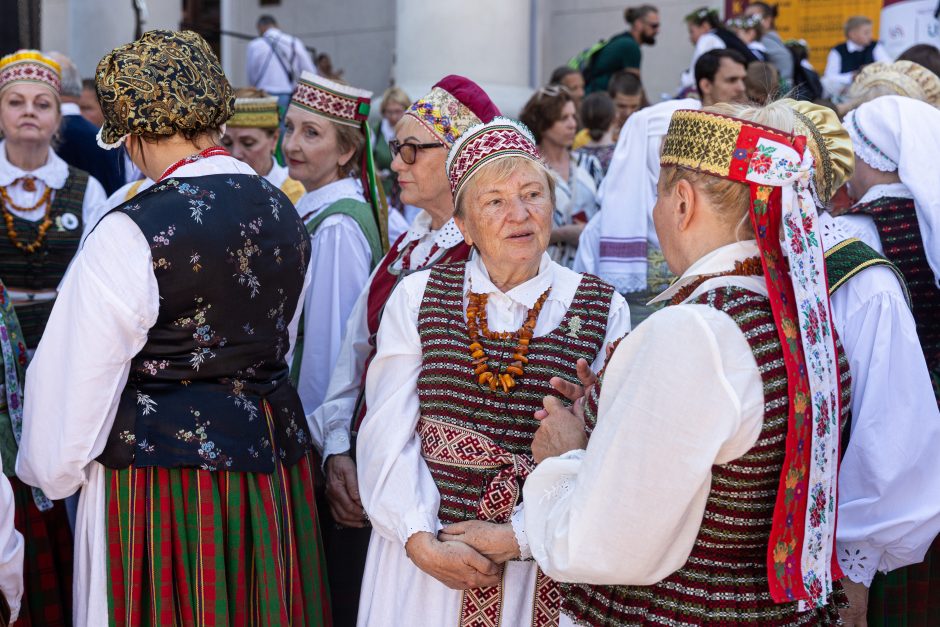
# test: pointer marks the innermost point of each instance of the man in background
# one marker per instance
(275, 61)
(622, 52)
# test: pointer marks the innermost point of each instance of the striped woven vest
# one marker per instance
(44, 269)
(724, 581)
(448, 391)
(896, 219)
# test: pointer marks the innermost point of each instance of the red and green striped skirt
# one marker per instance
(193, 547)
(47, 562)
(909, 596)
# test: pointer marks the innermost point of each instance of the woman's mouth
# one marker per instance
(521, 235)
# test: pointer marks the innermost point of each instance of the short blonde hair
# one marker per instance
(499, 171)
(731, 199)
(397, 95)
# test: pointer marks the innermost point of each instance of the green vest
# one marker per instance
(851, 256)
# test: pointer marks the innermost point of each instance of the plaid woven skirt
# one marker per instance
(193, 547)
(909, 596)
(47, 563)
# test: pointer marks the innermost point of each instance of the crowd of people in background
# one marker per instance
(310, 357)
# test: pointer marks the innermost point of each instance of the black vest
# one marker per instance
(210, 387)
(733, 42)
(852, 61)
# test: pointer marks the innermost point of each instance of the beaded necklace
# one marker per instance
(748, 267)
(212, 151)
(44, 226)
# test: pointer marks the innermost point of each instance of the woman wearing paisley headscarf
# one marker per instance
(168, 352)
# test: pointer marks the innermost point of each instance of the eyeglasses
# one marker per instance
(409, 151)
(653, 25)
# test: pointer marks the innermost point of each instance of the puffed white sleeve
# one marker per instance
(889, 480)
(340, 266)
(330, 423)
(94, 205)
(395, 483)
(681, 394)
(106, 305)
(11, 551)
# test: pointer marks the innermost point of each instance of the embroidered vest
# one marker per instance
(850, 257)
(724, 581)
(210, 387)
(852, 61)
(44, 269)
(896, 220)
(384, 281)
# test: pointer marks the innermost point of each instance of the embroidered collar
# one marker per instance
(319, 199)
(888, 190)
(719, 260)
(53, 173)
(525, 294)
(445, 237)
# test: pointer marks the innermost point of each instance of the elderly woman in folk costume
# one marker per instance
(428, 128)
(465, 354)
(48, 206)
(897, 213)
(167, 350)
(327, 147)
(889, 505)
(251, 136)
(716, 423)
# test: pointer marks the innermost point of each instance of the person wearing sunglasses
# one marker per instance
(419, 149)
(622, 52)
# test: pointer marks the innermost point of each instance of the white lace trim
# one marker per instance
(888, 190)
(865, 149)
(517, 520)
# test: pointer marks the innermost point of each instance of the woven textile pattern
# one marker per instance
(701, 141)
(483, 147)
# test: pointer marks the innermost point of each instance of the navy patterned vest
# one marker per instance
(724, 581)
(448, 391)
(210, 387)
(44, 269)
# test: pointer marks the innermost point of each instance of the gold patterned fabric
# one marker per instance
(164, 83)
(701, 141)
(903, 78)
(255, 113)
(830, 144)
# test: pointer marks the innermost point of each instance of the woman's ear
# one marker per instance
(344, 158)
(462, 225)
(686, 203)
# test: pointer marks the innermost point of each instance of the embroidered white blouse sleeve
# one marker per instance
(11, 551)
(395, 483)
(330, 423)
(341, 265)
(107, 303)
(682, 393)
(889, 481)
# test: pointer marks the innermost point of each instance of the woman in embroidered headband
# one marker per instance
(718, 437)
(251, 136)
(889, 505)
(465, 354)
(326, 144)
(168, 353)
(47, 207)
(427, 129)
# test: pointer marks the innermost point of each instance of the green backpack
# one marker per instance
(584, 60)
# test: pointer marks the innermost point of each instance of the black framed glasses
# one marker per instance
(409, 151)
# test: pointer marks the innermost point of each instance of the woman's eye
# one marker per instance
(288, 129)
(496, 202)
(311, 133)
(534, 195)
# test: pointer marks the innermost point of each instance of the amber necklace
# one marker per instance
(477, 326)
(8, 216)
(748, 267)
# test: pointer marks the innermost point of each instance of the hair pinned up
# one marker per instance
(632, 14)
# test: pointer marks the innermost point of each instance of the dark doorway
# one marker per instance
(204, 17)
(19, 27)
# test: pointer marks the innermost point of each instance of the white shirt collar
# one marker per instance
(445, 237)
(887, 190)
(525, 294)
(53, 173)
(313, 201)
(853, 47)
(719, 260)
(70, 108)
(277, 175)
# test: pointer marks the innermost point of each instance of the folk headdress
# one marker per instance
(29, 66)
(893, 133)
(778, 167)
(485, 143)
(255, 113)
(827, 139)
(348, 106)
(452, 106)
(166, 82)
(901, 78)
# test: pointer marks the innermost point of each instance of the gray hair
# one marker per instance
(71, 80)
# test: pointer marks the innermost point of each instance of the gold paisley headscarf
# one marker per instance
(166, 82)
(830, 144)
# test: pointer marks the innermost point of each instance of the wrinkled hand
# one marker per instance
(573, 391)
(855, 615)
(494, 541)
(342, 491)
(454, 564)
(562, 429)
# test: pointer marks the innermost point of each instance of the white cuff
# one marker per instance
(417, 522)
(337, 442)
(859, 561)
(518, 528)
